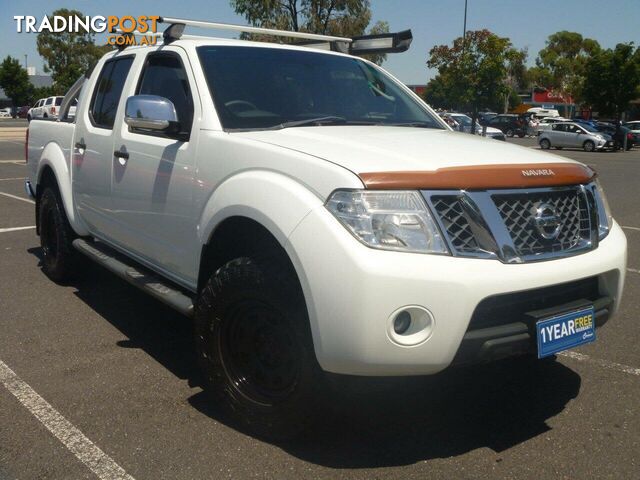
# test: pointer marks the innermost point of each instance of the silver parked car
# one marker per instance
(573, 135)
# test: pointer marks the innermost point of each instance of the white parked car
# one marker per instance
(312, 214)
(45, 108)
(5, 112)
(545, 123)
(543, 112)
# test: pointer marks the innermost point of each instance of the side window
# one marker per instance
(59, 101)
(49, 101)
(106, 95)
(165, 76)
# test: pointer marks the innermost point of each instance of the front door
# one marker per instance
(152, 184)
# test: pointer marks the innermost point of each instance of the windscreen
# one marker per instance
(462, 119)
(258, 88)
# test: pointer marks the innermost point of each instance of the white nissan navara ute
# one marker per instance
(314, 215)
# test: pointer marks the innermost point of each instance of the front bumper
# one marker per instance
(352, 291)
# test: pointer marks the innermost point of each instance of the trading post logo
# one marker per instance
(145, 27)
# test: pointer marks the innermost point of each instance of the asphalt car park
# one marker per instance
(98, 380)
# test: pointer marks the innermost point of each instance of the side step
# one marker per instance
(137, 276)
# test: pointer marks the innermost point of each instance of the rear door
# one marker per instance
(153, 185)
(37, 110)
(93, 145)
(47, 107)
(557, 135)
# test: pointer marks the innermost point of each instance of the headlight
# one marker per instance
(389, 220)
(604, 211)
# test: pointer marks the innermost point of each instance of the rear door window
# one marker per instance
(106, 96)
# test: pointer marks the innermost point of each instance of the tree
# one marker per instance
(15, 82)
(612, 79)
(437, 93)
(562, 61)
(474, 70)
(68, 55)
(515, 78)
(344, 18)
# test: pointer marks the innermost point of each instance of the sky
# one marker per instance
(433, 22)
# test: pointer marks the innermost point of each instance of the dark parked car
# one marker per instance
(510, 125)
(582, 121)
(485, 117)
(617, 134)
(22, 111)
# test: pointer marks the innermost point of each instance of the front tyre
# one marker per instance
(254, 346)
(56, 235)
(589, 146)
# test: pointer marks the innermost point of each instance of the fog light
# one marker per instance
(410, 325)
(402, 322)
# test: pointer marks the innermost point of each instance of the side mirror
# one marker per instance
(151, 112)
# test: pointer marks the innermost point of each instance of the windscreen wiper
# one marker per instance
(409, 124)
(328, 120)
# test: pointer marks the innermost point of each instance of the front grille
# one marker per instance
(512, 307)
(517, 211)
(516, 225)
(455, 223)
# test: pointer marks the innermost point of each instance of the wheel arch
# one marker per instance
(53, 170)
(238, 236)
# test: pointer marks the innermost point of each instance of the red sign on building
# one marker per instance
(548, 96)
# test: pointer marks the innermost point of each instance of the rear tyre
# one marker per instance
(56, 235)
(589, 146)
(254, 346)
(545, 144)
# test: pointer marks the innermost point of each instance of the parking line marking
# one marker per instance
(84, 449)
(18, 162)
(631, 228)
(15, 197)
(15, 229)
(15, 178)
(633, 270)
(603, 363)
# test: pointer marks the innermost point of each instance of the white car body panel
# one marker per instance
(379, 149)
(162, 205)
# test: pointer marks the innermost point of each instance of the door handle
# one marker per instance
(121, 154)
(81, 146)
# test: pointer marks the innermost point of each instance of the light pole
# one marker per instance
(464, 29)
(25, 62)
